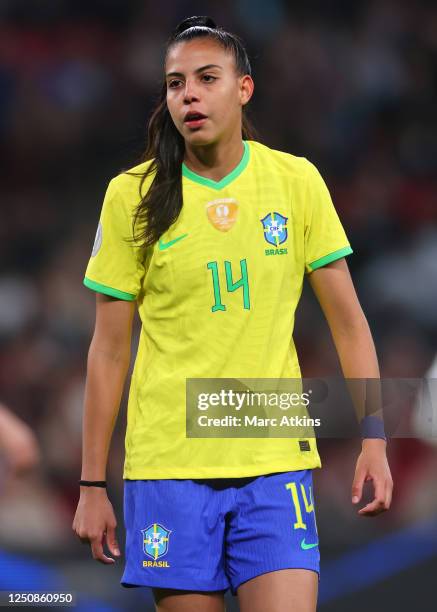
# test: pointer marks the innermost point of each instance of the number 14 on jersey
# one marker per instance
(231, 286)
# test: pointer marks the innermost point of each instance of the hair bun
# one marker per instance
(191, 22)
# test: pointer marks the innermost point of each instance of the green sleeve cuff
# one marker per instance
(318, 263)
(121, 295)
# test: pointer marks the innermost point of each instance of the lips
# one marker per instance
(194, 119)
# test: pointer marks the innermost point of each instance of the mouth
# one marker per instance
(194, 119)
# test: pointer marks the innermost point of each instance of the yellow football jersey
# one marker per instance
(217, 296)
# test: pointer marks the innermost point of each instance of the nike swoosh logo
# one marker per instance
(305, 546)
(166, 245)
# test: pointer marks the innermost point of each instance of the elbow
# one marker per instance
(351, 326)
(111, 350)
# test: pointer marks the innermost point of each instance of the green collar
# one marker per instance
(207, 182)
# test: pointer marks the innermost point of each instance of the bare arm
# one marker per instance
(336, 294)
(333, 287)
(18, 443)
(108, 363)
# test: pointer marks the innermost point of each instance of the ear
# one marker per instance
(246, 86)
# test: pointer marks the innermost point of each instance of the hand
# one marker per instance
(95, 522)
(372, 465)
(18, 443)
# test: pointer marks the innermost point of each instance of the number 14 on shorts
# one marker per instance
(309, 505)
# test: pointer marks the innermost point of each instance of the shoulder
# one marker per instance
(128, 183)
(279, 162)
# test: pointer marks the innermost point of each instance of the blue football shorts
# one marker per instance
(215, 534)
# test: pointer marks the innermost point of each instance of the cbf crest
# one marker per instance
(155, 540)
(275, 228)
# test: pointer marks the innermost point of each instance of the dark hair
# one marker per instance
(160, 207)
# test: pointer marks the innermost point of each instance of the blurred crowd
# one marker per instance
(351, 86)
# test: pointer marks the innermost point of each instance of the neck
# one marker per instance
(214, 161)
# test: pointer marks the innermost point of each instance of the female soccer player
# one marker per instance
(211, 236)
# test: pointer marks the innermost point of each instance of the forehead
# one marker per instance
(189, 56)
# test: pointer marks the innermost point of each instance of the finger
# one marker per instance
(97, 551)
(380, 486)
(371, 509)
(376, 506)
(111, 541)
(388, 495)
(357, 487)
(378, 502)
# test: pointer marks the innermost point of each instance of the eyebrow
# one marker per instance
(207, 67)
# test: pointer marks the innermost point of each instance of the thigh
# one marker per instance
(174, 536)
(170, 600)
(273, 528)
(287, 590)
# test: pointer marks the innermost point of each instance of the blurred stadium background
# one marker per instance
(350, 85)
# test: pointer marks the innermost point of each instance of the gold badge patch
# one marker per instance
(223, 213)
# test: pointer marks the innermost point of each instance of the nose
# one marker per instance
(190, 94)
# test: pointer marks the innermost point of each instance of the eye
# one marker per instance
(173, 83)
(208, 78)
